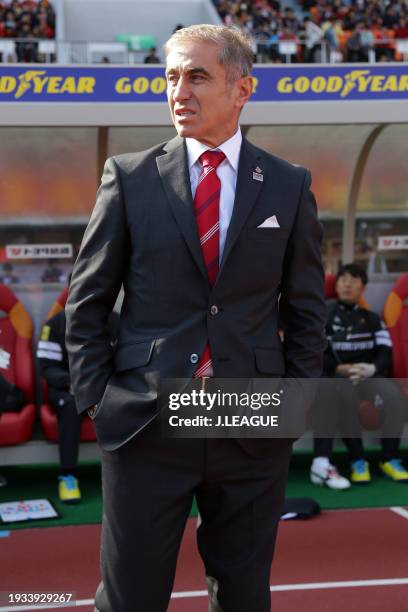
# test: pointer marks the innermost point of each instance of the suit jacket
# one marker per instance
(143, 234)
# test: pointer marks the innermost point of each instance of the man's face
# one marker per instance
(203, 104)
(349, 288)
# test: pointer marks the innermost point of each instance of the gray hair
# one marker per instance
(235, 54)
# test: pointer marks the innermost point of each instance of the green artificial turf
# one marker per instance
(40, 481)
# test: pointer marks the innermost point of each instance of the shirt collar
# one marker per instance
(347, 306)
(231, 149)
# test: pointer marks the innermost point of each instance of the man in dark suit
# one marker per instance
(208, 235)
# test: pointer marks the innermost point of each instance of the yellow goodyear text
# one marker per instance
(140, 85)
(38, 82)
(358, 81)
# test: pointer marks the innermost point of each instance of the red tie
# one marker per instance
(207, 211)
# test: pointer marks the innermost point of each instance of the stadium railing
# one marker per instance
(287, 51)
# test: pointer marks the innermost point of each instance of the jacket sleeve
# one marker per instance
(56, 377)
(383, 346)
(302, 305)
(95, 283)
(50, 354)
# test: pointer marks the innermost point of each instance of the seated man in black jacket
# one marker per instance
(52, 356)
(359, 355)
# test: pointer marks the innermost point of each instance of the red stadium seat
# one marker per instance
(58, 305)
(16, 332)
(396, 319)
(330, 287)
(48, 417)
(49, 425)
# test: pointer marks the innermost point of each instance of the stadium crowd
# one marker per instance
(319, 30)
(27, 19)
(348, 29)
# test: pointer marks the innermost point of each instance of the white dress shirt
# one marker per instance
(227, 172)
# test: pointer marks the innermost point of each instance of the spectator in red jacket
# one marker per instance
(401, 31)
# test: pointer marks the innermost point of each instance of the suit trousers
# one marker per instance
(148, 489)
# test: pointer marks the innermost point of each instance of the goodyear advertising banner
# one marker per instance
(44, 83)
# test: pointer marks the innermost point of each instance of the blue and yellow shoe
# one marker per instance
(68, 489)
(360, 472)
(394, 470)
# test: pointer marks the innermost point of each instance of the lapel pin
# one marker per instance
(257, 174)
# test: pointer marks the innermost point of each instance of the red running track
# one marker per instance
(337, 546)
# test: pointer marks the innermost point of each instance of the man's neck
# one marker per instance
(214, 144)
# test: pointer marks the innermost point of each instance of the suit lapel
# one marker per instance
(174, 173)
(246, 193)
(175, 176)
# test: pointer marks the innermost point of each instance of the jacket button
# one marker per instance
(194, 358)
(214, 309)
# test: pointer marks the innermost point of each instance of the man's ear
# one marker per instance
(244, 90)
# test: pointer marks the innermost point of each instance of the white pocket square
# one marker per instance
(270, 222)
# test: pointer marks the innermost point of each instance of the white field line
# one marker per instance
(50, 606)
(304, 586)
(400, 511)
(340, 585)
